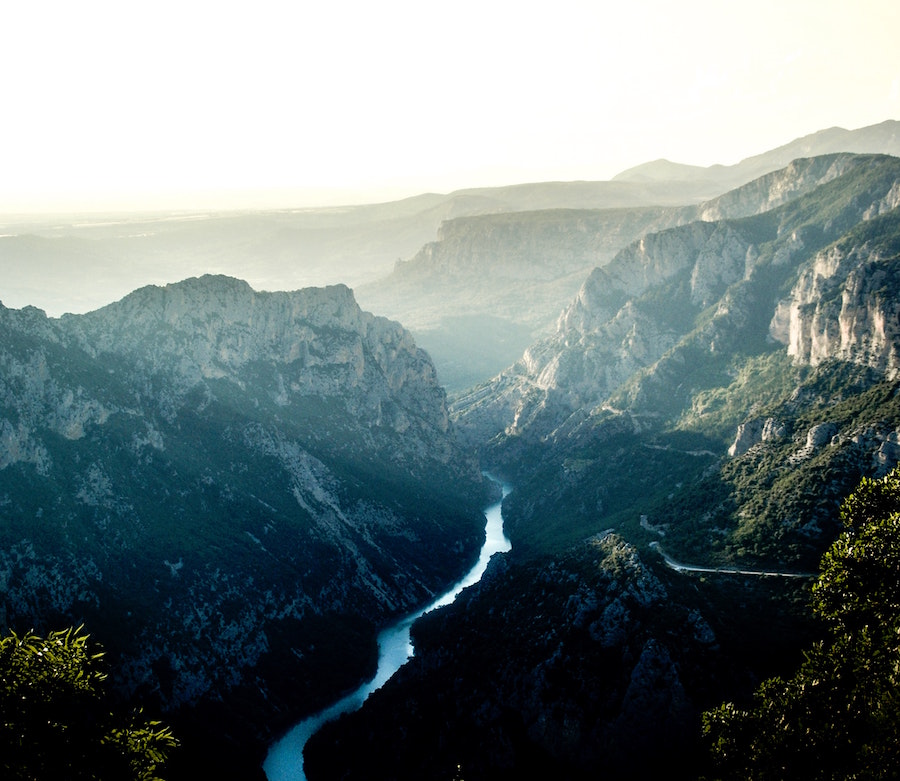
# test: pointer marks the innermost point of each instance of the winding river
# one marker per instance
(285, 759)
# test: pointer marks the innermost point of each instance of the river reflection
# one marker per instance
(285, 759)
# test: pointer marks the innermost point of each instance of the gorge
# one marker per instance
(284, 761)
(232, 489)
(585, 651)
(236, 489)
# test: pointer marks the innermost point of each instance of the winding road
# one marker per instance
(764, 573)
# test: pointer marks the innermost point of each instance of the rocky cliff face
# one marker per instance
(223, 482)
(613, 328)
(487, 265)
(319, 341)
(844, 306)
(707, 285)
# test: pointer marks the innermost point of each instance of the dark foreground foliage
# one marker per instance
(56, 720)
(838, 717)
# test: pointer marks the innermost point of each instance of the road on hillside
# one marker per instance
(764, 573)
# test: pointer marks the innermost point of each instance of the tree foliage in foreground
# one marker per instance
(838, 717)
(55, 717)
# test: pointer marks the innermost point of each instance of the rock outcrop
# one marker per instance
(844, 304)
(752, 432)
(633, 331)
(227, 485)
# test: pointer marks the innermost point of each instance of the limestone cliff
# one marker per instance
(707, 286)
(319, 339)
(481, 269)
(844, 304)
(226, 486)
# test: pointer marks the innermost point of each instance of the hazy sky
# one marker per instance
(191, 103)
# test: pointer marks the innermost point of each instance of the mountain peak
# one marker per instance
(661, 170)
(883, 138)
(212, 282)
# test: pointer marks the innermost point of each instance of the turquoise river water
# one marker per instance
(284, 761)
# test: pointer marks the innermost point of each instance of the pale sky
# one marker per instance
(195, 104)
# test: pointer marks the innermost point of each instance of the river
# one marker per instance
(284, 761)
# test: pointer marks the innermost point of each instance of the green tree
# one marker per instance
(56, 719)
(838, 717)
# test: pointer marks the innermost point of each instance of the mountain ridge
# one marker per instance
(488, 263)
(883, 137)
(719, 387)
(604, 336)
(71, 263)
(232, 489)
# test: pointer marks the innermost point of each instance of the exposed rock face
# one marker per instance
(608, 333)
(492, 263)
(601, 339)
(208, 475)
(752, 432)
(485, 267)
(844, 306)
(641, 313)
(319, 339)
(798, 177)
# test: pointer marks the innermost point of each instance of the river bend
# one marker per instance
(284, 761)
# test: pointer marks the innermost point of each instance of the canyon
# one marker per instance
(229, 487)
(235, 489)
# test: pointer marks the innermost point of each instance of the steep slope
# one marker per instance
(672, 352)
(473, 280)
(704, 286)
(585, 685)
(843, 305)
(594, 663)
(462, 295)
(231, 488)
(716, 389)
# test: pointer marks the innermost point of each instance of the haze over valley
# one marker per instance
(446, 266)
(283, 472)
(310, 313)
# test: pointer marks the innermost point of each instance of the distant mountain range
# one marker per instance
(882, 138)
(77, 263)
(234, 488)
